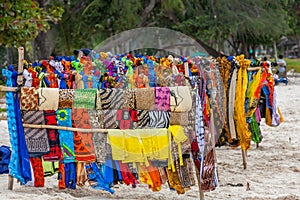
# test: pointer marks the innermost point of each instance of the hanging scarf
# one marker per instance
(66, 138)
(53, 136)
(159, 119)
(29, 98)
(99, 139)
(253, 92)
(126, 119)
(231, 101)
(66, 98)
(110, 119)
(36, 139)
(85, 98)
(19, 165)
(129, 99)
(38, 172)
(180, 99)
(127, 175)
(239, 112)
(143, 119)
(83, 141)
(70, 175)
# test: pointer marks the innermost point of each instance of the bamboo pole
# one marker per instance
(20, 65)
(201, 194)
(253, 68)
(8, 89)
(244, 154)
(95, 130)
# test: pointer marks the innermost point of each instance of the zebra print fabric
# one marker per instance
(112, 98)
(159, 119)
(143, 119)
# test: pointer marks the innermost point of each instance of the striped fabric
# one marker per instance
(143, 119)
(112, 98)
(159, 119)
(110, 119)
(36, 139)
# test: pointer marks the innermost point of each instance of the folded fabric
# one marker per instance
(53, 136)
(100, 138)
(145, 98)
(162, 98)
(126, 119)
(112, 98)
(110, 119)
(179, 118)
(36, 139)
(143, 119)
(83, 141)
(48, 98)
(129, 99)
(66, 138)
(180, 99)
(29, 98)
(85, 98)
(159, 119)
(66, 98)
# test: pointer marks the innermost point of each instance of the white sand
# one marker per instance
(273, 170)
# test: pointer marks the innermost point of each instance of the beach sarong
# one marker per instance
(85, 98)
(48, 98)
(29, 98)
(66, 98)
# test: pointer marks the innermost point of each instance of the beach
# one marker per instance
(273, 169)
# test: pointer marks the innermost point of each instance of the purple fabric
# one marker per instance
(162, 98)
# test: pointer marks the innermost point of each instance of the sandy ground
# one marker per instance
(273, 170)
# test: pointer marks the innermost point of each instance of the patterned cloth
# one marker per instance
(126, 119)
(180, 99)
(85, 98)
(38, 172)
(48, 98)
(145, 98)
(83, 141)
(231, 99)
(66, 138)
(162, 98)
(66, 98)
(159, 119)
(143, 119)
(99, 139)
(111, 98)
(36, 139)
(29, 98)
(179, 118)
(55, 150)
(129, 99)
(110, 119)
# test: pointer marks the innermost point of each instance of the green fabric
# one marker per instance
(255, 130)
(85, 98)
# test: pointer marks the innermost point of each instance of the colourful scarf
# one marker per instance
(36, 139)
(55, 150)
(38, 172)
(66, 138)
(83, 141)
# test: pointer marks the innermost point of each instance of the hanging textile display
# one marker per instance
(155, 117)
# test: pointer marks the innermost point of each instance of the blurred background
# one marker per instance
(256, 28)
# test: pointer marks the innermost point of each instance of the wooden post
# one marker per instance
(244, 155)
(10, 182)
(20, 65)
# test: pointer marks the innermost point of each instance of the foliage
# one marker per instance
(21, 21)
(293, 64)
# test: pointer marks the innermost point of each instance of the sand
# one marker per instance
(273, 170)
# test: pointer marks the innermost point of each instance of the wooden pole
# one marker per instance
(20, 65)
(244, 154)
(10, 182)
(66, 128)
(201, 194)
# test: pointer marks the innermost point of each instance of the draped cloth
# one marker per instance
(180, 99)
(38, 172)
(162, 98)
(66, 138)
(48, 98)
(53, 136)
(100, 138)
(36, 139)
(111, 98)
(83, 141)
(85, 98)
(19, 165)
(179, 118)
(29, 98)
(231, 101)
(66, 98)
(145, 98)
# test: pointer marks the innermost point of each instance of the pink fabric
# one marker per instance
(257, 115)
(162, 98)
